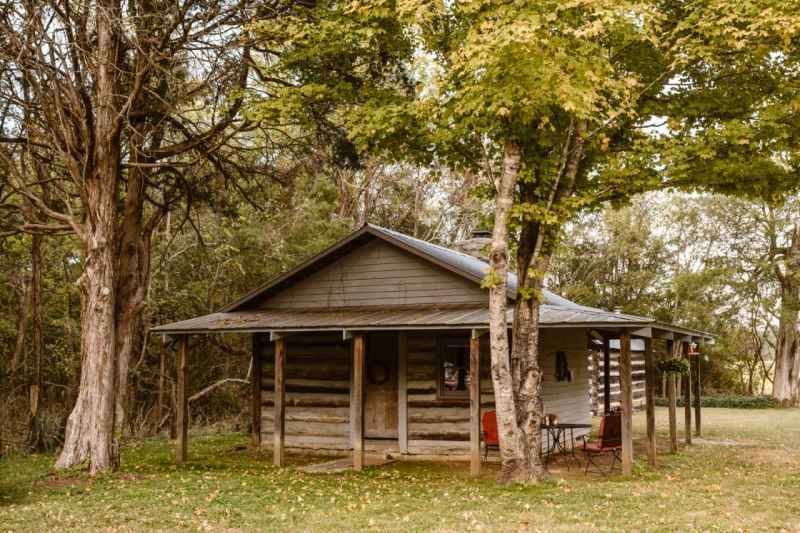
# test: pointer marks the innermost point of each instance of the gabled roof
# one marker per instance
(459, 263)
(554, 312)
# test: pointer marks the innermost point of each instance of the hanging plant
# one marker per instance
(674, 365)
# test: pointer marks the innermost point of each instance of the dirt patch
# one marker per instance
(59, 482)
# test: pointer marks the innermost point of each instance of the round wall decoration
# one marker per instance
(378, 373)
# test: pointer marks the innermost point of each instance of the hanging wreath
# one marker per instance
(378, 373)
(674, 365)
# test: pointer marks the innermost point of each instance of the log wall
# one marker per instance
(318, 385)
(597, 379)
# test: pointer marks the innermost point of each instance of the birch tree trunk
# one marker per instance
(512, 445)
(89, 434)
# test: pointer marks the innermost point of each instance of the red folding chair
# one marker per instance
(490, 437)
(609, 441)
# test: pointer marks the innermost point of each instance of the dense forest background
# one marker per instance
(699, 260)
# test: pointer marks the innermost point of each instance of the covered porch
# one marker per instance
(414, 383)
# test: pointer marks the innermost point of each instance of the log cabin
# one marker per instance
(378, 345)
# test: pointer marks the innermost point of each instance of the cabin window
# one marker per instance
(454, 366)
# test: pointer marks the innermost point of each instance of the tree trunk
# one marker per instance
(90, 428)
(133, 275)
(35, 436)
(786, 384)
(22, 324)
(512, 444)
(526, 371)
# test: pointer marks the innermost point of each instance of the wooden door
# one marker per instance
(380, 401)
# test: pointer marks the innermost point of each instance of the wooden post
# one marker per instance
(673, 416)
(279, 419)
(182, 413)
(475, 404)
(698, 399)
(357, 409)
(687, 397)
(255, 381)
(402, 391)
(626, 393)
(606, 375)
(650, 400)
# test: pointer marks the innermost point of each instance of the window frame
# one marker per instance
(442, 342)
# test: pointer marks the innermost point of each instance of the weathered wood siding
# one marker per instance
(318, 387)
(377, 273)
(317, 392)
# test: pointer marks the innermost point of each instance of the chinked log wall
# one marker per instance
(318, 389)
(596, 370)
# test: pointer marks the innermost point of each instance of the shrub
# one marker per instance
(730, 401)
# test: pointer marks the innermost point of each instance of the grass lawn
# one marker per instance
(744, 475)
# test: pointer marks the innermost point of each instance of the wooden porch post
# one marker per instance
(698, 399)
(687, 397)
(279, 419)
(673, 417)
(357, 409)
(650, 400)
(255, 377)
(402, 391)
(475, 404)
(182, 412)
(606, 375)
(626, 392)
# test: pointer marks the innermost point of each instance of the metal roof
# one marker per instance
(457, 317)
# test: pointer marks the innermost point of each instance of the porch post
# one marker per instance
(357, 408)
(673, 417)
(650, 400)
(255, 377)
(475, 403)
(606, 375)
(626, 393)
(402, 391)
(279, 419)
(698, 399)
(687, 397)
(182, 407)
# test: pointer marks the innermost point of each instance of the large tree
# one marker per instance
(112, 113)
